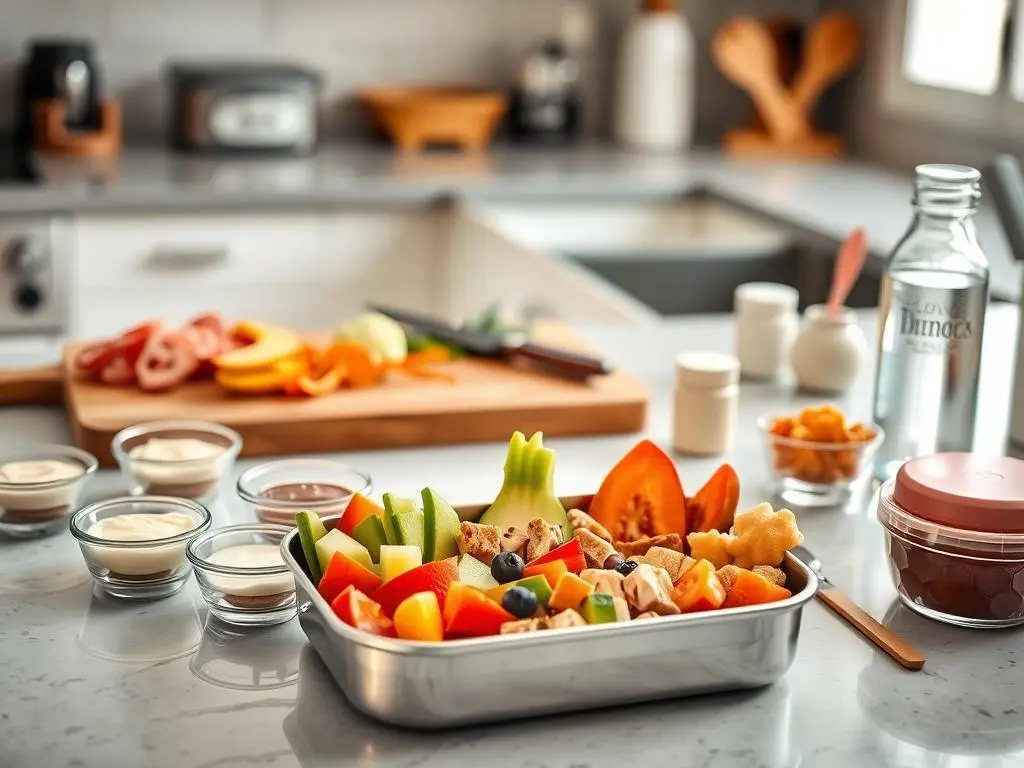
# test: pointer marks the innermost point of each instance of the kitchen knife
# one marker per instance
(884, 638)
(561, 361)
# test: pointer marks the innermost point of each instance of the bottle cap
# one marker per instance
(707, 369)
(765, 298)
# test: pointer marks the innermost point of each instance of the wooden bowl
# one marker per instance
(415, 116)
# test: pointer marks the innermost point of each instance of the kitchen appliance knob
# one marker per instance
(25, 257)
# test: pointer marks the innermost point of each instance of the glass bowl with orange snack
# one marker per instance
(817, 457)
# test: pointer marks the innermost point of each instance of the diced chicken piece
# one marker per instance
(581, 521)
(621, 609)
(727, 575)
(641, 546)
(714, 546)
(595, 549)
(481, 541)
(676, 563)
(515, 540)
(775, 575)
(648, 588)
(646, 615)
(543, 537)
(567, 618)
(609, 582)
(525, 625)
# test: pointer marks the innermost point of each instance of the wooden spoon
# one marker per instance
(746, 54)
(849, 263)
(830, 50)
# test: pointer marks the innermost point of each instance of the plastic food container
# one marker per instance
(170, 471)
(44, 488)
(275, 491)
(237, 578)
(954, 530)
(816, 474)
(439, 685)
(140, 569)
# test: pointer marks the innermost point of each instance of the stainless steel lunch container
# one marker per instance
(438, 685)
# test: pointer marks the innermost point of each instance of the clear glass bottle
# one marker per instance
(932, 313)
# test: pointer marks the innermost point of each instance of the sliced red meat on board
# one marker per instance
(168, 359)
(118, 372)
(92, 359)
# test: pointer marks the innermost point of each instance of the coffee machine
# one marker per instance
(59, 106)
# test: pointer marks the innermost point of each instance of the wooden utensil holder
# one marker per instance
(51, 135)
(752, 55)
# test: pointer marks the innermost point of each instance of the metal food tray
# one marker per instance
(460, 682)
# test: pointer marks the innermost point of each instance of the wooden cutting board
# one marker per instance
(488, 402)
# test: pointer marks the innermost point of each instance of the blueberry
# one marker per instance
(614, 560)
(506, 567)
(520, 602)
(626, 567)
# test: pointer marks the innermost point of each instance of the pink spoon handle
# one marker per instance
(849, 264)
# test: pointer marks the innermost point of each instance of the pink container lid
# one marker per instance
(964, 490)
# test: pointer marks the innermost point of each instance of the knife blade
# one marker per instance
(480, 344)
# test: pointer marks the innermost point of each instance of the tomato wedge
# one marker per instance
(714, 505)
(167, 360)
(359, 611)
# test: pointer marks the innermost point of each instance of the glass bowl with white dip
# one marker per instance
(276, 490)
(242, 575)
(40, 486)
(134, 546)
(187, 459)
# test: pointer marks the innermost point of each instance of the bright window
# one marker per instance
(955, 44)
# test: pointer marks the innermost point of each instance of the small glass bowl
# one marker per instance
(38, 509)
(196, 479)
(812, 474)
(138, 570)
(244, 595)
(318, 485)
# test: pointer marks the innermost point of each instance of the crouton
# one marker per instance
(481, 541)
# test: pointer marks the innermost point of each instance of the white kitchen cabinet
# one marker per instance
(488, 264)
(305, 270)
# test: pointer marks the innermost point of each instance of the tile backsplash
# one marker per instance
(351, 42)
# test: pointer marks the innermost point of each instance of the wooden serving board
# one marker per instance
(488, 402)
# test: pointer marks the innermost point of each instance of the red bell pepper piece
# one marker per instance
(359, 508)
(468, 612)
(571, 553)
(433, 577)
(359, 611)
(343, 572)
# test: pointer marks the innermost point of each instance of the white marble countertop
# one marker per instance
(88, 681)
(823, 200)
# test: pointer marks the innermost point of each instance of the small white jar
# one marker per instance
(830, 351)
(706, 402)
(766, 327)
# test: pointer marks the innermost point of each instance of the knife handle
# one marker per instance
(571, 364)
(900, 650)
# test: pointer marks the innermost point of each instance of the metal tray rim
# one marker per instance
(496, 642)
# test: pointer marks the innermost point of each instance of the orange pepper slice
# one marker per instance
(322, 385)
(415, 364)
(360, 368)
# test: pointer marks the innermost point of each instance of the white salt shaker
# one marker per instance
(766, 327)
(706, 402)
(830, 351)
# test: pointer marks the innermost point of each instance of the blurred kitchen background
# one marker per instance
(572, 222)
